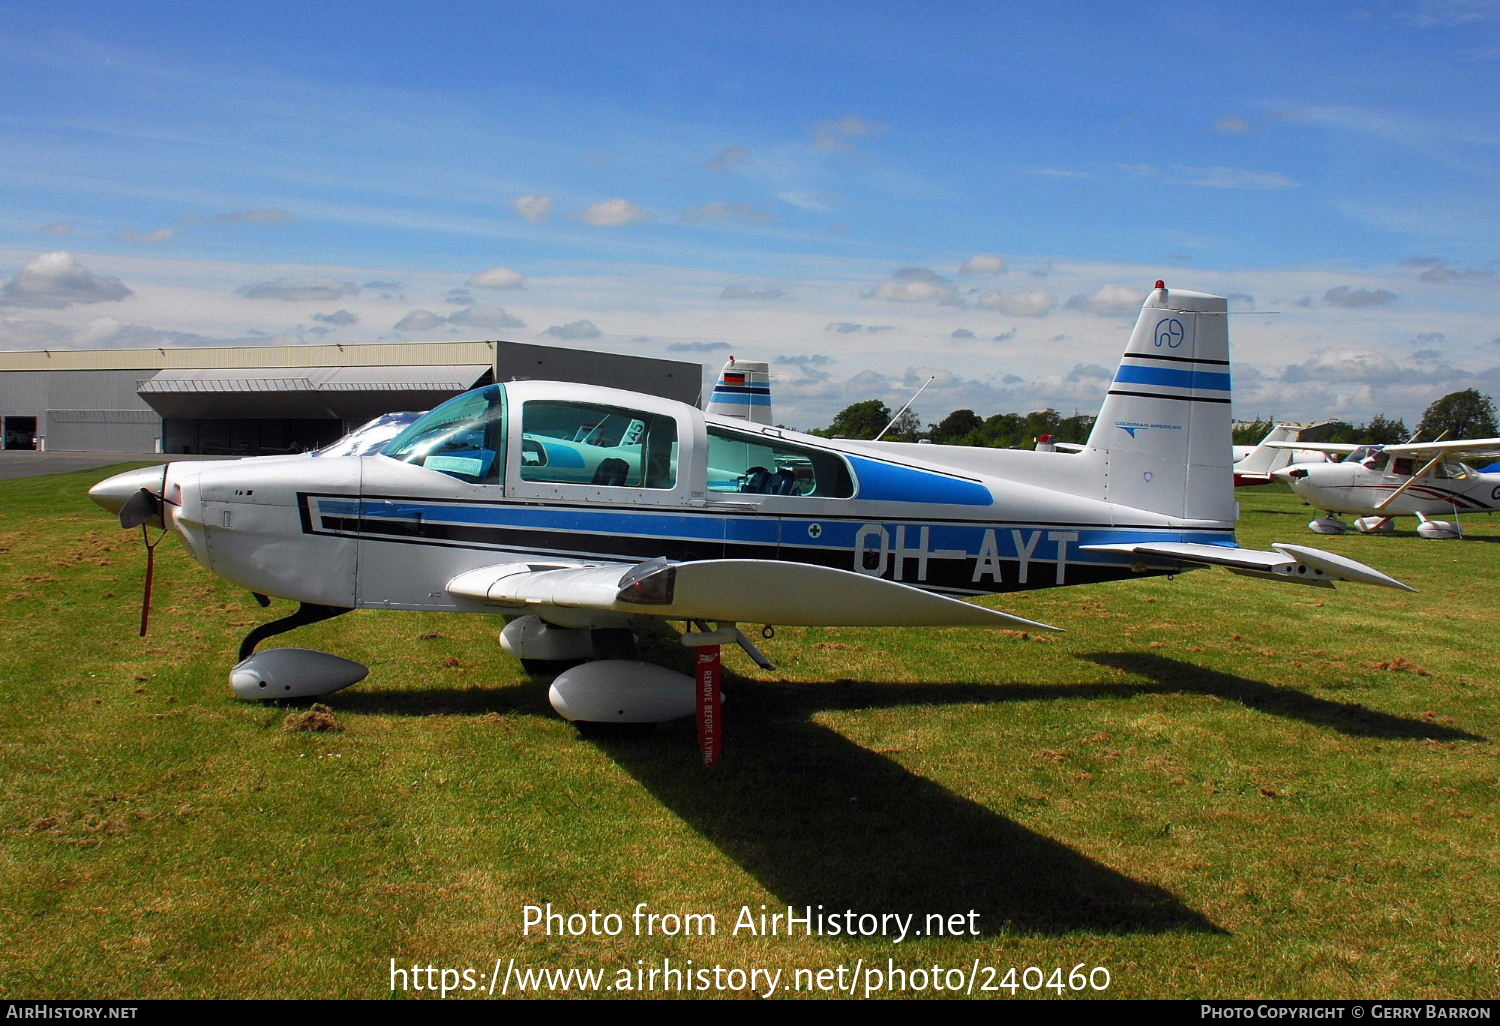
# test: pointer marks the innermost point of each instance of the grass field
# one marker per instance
(1209, 786)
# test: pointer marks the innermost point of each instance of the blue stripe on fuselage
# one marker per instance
(1203, 381)
(887, 482)
(740, 398)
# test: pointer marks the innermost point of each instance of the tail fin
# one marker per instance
(1163, 434)
(1260, 462)
(743, 391)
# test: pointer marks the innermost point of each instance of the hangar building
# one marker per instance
(250, 400)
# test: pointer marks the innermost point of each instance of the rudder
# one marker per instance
(1164, 433)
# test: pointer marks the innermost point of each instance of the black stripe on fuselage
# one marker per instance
(1174, 359)
(1163, 395)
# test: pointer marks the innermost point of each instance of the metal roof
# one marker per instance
(359, 354)
(348, 393)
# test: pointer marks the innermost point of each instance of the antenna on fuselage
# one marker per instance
(904, 408)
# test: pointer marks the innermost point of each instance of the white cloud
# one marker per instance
(849, 327)
(1353, 298)
(57, 228)
(1432, 136)
(385, 289)
(1025, 303)
(1233, 124)
(838, 135)
(477, 316)
(1058, 172)
(147, 238)
(1108, 300)
(742, 292)
(258, 215)
(730, 158)
(1347, 366)
(1216, 177)
(804, 200)
(498, 278)
(419, 320)
(339, 318)
(1434, 269)
(914, 285)
(710, 212)
(297, 290)
(108, 333)
(28, 333)
(57, 280)
(983, 263)
(535, 208)
(614, 213)
(574, 330)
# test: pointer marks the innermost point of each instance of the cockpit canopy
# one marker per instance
(1374, 457)
(582, 435)
(462, 438)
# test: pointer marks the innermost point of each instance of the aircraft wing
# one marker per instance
(1295, 563)
(1457, 449)
(1330, 447)
(726, 591)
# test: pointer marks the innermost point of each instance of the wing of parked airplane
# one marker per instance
(724, 590)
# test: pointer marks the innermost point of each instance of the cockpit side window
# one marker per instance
(461, 438)
(757, 465)
(590, 444)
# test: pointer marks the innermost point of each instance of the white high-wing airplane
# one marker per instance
(1255, 464)
(573, 510)
(1381, 482)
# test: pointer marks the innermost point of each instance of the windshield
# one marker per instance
(371, 437)
(461, 438)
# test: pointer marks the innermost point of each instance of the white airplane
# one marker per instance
(1382, 482)
(573, 511)
(1255, 464)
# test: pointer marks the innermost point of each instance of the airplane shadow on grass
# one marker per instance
(820, 820)
(1172, 676)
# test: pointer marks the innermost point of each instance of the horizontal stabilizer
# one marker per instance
(728, 591)
(1295, 563)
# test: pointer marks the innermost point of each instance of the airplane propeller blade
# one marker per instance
(139, 508)
(150, 579)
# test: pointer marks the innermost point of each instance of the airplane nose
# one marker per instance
(113, 492)
(1290, 475)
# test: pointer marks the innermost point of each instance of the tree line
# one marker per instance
(1466, 414)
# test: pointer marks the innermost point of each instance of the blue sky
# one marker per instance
(866, 194)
